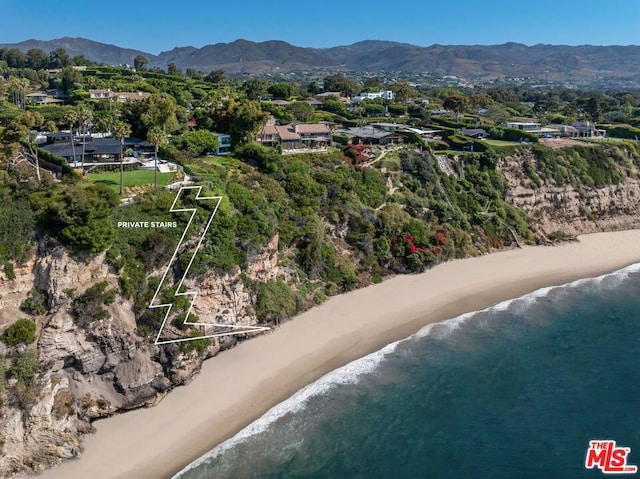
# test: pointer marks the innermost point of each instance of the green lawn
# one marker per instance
(500, 143)
(130, 178)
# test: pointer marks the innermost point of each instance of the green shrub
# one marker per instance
(89, 306)
(198, 345)
(24, 370)
(275, 300)
(25, 366)
(22, 331)
(8, 270)
(35, 303)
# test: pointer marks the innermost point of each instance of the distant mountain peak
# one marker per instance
(242, 55)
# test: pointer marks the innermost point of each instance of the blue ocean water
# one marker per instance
(514, 391)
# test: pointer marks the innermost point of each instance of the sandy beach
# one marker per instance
(241, 384)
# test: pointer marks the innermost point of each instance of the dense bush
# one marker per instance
(35, 303)
(266, 159)
(80, 216)
(18, 222)
(22, 331)
(275, 301)
(89, 306)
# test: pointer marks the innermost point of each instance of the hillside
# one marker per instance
(557, 62)
(290, 232)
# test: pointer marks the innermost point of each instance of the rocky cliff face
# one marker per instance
(564, 210)
(88, 370)
(91, 371)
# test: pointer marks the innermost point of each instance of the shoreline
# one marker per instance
(239, 385)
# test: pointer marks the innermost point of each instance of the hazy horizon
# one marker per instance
(153, 28)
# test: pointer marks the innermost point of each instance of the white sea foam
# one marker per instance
(350, 373)
(347, 374)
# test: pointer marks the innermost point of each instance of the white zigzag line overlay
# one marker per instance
(193, 294)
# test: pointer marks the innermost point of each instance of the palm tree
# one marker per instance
(121, 130)
(104, 122)
(85, 117)
(71, 118)
(18, 87)
(156, 136)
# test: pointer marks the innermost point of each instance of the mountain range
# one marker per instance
(553, 62)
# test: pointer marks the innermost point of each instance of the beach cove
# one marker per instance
(241, 384)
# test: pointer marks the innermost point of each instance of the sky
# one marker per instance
(160, 25)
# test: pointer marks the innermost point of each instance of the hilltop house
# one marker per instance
(534, 128)
(224, 144)
(296, 136)
(96, 150)
(370, 135)
(122, 97)
(385, 95)
(40, 98)
(477, 133)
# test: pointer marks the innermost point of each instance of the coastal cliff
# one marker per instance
(562, 204)
(90, 371)
(298, 236)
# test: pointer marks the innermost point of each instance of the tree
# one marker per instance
(71, 118)
(301, 111)
(197, 142)
(18, 88)
(246, 121)
(156, 136)
(80, 60)
(339, 82)
(172, 69)
(139, 62)
(121, 130)
(59, 58)
(216, 76)
(159, 110)
(15, 58)
(333, 105)
(81, 217)
(313, 88)
(23, 125)
(84, 116)
(403, 92)
(70, 78)
(480, 100)
(498, 113)
(593, 107)
(256, 88)
(373, 84)
(37, 59)
(282, 91)
(456, 103)
(104, 121)
(193, 73)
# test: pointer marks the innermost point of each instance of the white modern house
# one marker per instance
(385, 95)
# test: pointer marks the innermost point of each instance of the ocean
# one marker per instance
(514, 391)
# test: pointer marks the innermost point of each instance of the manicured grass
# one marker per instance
(499, 143)
(130, 178)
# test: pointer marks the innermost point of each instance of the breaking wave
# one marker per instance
(351, 372)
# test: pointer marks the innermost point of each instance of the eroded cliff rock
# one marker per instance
(561, 210)
(88, 371)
